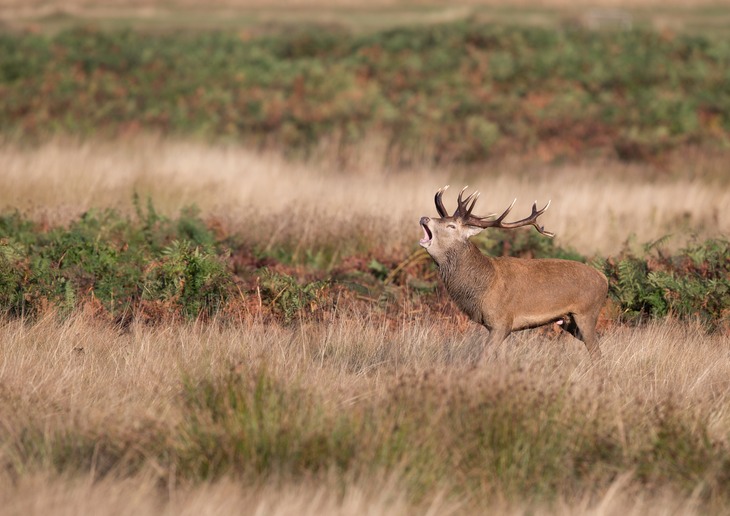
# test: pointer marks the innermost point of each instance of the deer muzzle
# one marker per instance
(427, 234)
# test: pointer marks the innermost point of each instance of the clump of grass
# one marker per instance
(72, 451)
(253, 424)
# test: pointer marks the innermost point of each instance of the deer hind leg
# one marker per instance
(585, 330)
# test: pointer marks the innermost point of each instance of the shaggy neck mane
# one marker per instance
(466, 274)
(463, 258)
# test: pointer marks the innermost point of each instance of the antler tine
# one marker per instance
(499, 219)
(463, 208)
(460, 201)
(535, 214)
(471, 206)
(440, 203)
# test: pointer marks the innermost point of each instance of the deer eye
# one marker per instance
(451, 226)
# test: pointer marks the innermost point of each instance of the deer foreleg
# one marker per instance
(494, 341)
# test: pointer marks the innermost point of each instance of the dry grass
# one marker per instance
(79, 377)
(595, 206)
(699, 16)
(43, 494)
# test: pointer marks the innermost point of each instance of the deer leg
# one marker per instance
(495, 339)
(586, 331)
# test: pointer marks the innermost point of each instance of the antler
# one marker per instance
(440, 203)
(527, 221)
(463, 210)
(465, 206)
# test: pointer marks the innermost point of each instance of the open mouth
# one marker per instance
(427, 235)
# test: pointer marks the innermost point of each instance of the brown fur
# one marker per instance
(509, 294)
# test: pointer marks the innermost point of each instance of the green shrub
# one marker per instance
(14, 269)
(189, 278)
(159, 231)
(288, 297)
(111, 259)
(523, 244)
(693, 284)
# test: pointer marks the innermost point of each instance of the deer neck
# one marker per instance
(467, 274)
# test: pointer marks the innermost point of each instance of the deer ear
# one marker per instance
(470, 231)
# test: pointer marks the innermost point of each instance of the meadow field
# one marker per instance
(371, 403)
(210, 310)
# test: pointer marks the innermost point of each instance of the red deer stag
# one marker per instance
(507, 294)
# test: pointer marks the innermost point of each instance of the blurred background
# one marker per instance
(315, 132)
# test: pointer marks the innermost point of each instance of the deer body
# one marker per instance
(508, 294)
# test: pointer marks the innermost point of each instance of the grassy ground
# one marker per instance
(359, 416)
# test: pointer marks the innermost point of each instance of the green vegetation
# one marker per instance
(151, 265)
(288, 297)
(104, 257)
(461, 91)
(693, 284)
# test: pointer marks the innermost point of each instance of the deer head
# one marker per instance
(448, 233)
